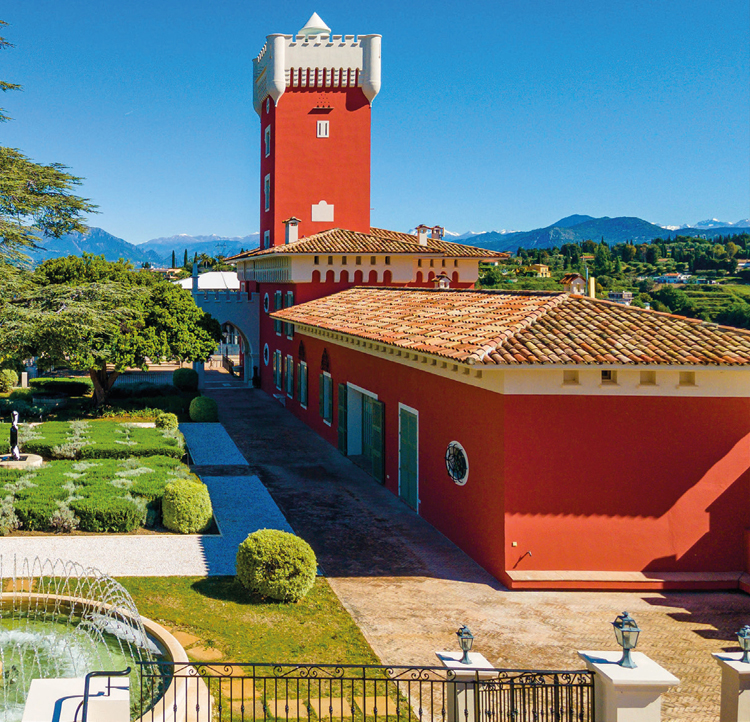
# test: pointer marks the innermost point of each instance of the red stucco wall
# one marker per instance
(470, 515)
(627, 483)
(306, 169)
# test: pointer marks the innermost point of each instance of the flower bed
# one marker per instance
(96, 440)
(102, 495)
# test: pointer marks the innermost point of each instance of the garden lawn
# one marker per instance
(217, 610)
(105, 495)
(96, 440)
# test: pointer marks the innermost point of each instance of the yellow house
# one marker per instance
(540, 270)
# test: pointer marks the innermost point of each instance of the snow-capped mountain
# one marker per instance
(710, 223)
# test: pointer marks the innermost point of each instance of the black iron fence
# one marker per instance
(347, 693)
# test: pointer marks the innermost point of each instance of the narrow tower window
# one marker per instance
(323, 128)
(267, 192)
(267, 139)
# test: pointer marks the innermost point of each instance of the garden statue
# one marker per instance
(14, 452)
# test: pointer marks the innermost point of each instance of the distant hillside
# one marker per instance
(573, 230)
(95, 241)
(210, 245)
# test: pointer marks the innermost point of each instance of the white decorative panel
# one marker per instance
(322, 212)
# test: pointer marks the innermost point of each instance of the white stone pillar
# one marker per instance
(199, 368)
(461, 696)
(24, 379)
(627, 695)
(735, 687)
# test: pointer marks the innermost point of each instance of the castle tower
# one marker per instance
(313, 94)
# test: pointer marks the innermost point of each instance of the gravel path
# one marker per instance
(211, 445)
(166, 555)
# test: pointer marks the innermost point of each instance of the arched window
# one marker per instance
(344, 277)
(373, 278)
(387, 277)
(316, 277)
(454, 277)
(358, 278)
(330, 277)
(419, 278)
(431, 276)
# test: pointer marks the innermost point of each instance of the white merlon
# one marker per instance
(315, 58)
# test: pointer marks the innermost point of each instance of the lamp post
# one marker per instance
(743, 637)
(626, 632)
(465, 640)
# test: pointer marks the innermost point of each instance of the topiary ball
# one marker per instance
(8, 380)
(186, 506)
(276, 565)
(185, 379)
(166, 421)
(203, 409)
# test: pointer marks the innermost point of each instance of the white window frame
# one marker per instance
(323, 129)
(266, 239)
(278, 304)
(302, 374)
(267, 192)
(289, 302)
(277, 369)
(411, 410)
(327, 399)
(267, 140)
(289, 377)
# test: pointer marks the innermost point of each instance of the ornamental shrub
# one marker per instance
(277, 565)
(77, 386)
(186, 506)
(204, 410)
(106, 513)
(185, 379)
(8, 380)
(166, 421)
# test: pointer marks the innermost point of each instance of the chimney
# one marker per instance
(437, 233)
(592, 287)
(422, 234)
(195, 277)
(292, 229)
(442, 281)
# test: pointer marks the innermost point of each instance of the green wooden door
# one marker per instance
(343, 419)
(367, 430)
(377, 449)
(407, 458)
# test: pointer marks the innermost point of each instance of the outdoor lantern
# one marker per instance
(626, 631)
(743, 636)
(465, 639)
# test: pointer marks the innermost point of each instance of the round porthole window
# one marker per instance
(457, 463)
(266, 355)
(266, 304)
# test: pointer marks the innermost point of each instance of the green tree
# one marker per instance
(185, 259)
(35, 200)
(174, 261)
(104, 326)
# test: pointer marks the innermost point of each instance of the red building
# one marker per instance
(561, 441)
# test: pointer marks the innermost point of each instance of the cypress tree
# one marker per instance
(173, 259)
(185, 259)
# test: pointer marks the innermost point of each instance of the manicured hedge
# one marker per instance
(203, 409)
(103, 495)
(276, 565)
(185, 379)
(166, 421)
(77, 386)
(97, 440)
(186, 507)
(8, 380)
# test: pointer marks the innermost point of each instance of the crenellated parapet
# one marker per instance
(316, 61)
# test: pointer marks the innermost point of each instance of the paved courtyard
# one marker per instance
(409, 588)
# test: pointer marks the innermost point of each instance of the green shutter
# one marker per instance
(343, 419)
(408, 457)
(322, 399)
(378, 441)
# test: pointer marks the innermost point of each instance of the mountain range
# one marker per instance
(572, 229)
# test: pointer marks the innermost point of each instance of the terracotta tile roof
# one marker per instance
(339, 240)
(521, 328)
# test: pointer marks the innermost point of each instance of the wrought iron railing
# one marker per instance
(348, 693)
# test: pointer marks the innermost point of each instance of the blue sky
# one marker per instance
(492, 115)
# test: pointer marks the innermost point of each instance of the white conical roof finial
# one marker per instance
(315, 26)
